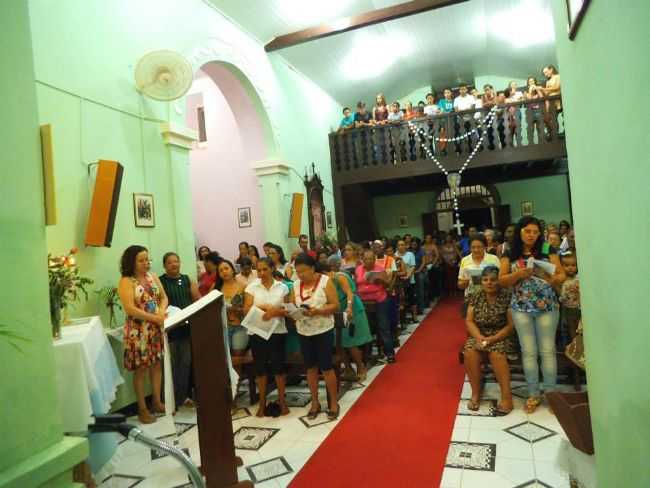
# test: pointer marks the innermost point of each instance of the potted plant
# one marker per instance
(111, 300)
(66, 286)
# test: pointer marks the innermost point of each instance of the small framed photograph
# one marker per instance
(328, 219)
(244, 217)
(527, 209)
(143, 210)
(576, 10)
(403, 221)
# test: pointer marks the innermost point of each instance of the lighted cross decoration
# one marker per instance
(459, 227)
(453, 179)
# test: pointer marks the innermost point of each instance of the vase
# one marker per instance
(55, 318)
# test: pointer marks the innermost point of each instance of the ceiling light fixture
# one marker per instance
(528, 24)
(371, 55)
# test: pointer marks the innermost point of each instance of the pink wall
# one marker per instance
(221, 173)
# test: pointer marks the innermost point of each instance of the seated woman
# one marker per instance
(489, 324)
(316, 295)
(233, 294)
(349, 303)
(145, 303)
(372, 281)
(181, 291)
(268, 295)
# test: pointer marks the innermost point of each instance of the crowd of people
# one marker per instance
(524, 278)
(466, 98)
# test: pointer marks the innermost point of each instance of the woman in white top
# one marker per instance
(472, 265)
(268, 295)
(316, 295)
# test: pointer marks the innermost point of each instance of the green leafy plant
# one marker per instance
(11, 337)
(110, 298)
(66, 284)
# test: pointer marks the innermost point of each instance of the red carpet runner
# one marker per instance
(398, 432)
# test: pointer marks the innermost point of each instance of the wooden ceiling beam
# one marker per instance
(346, 24)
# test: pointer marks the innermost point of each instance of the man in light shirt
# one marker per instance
(464, 101)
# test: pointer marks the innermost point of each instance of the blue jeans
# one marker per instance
(383, 325)
(536, 333)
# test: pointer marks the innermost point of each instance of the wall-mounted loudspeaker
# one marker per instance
(103, 208)
(295, 217)
(49, 194)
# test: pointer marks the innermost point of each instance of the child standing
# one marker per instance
(570, 296)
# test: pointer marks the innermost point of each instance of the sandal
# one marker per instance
(532, 403)
(473, 405)
(314, 413)
(334, 415)
(502, 412)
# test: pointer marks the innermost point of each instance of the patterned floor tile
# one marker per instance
(240, 413)
(530, 432)
(470, 455)
(534, 484)
(121, 481)
(252, 438)
(182, 427)
(268, 470)
(487, 408)
(320, 420)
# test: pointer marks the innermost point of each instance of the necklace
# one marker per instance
(306, 295)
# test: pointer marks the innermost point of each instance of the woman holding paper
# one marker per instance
(315, 294)
(471, 266)
(263, 306)
(145, 303)
(532, 268)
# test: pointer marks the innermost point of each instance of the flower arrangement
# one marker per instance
(66, 285)
(110, 299)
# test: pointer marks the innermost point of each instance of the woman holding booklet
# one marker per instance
(316, 302)
(263, 305)
(532, 268)
(472, 265)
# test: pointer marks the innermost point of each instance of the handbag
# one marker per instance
(575, 351)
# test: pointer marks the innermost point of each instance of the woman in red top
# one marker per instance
(372, 280)
(208, 280)
(380, 110)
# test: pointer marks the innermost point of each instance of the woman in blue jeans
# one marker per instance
(535, 307)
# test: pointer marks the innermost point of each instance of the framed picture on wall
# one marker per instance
(328, 219)
(403, 221)
(143, 210)
(576, 10)
(527, 208)
(244, 217)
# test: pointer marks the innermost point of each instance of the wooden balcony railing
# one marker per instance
(521, 131)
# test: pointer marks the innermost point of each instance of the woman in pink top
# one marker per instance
(371, 281)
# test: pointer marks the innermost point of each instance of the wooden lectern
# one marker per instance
(206, 319)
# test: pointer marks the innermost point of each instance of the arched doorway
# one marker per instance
(234, 132)
(479, 206)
